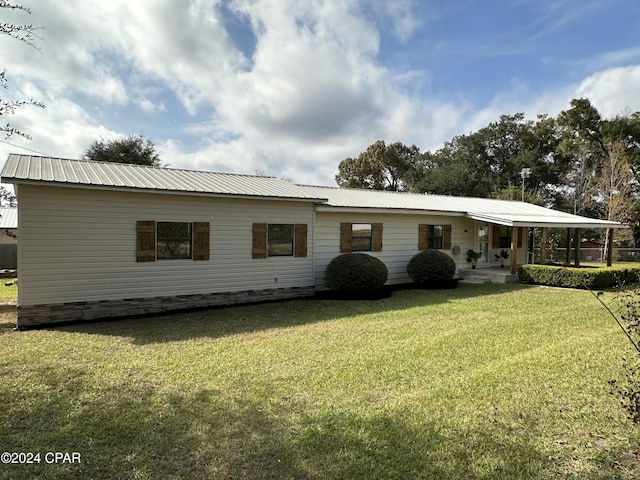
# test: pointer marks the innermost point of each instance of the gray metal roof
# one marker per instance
(503, 212)
(30, 169)
(8, 217)
(58, 171)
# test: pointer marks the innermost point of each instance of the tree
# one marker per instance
(7, 199)
(133, 149)
(23, 33)
(381, 167)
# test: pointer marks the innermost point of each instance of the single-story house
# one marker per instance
(102, 240)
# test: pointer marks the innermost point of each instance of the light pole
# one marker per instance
(524, 173)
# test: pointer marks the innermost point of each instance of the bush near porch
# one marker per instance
(581, 277)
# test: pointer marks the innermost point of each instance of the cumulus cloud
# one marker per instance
(304, 89)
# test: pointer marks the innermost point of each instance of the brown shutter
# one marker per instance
(259, 240)
(496, 236)
(423, 236)
(376, 237)
(201, 240)
(300, 246)
(446, 240)
(345, 237)
(520, 236)
(145, 241)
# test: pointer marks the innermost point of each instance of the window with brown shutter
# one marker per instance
(345, 237)
(279, 240)
(300, 249)
(145, 241)
(434, 237)
(496, 241)
(423, 236)
(171, 240)
(376, 237)
(446, 237)
(259, 240)
(201, 236)
(502, 237)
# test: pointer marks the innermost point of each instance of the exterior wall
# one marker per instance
(399, 240)
(79, 245)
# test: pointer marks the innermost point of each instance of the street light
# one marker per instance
(524, 173)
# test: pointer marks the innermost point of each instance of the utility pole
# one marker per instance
(524, 173)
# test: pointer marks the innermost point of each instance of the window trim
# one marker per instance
(424, 234)
(260, 247)
(147, 241)
(346, 236)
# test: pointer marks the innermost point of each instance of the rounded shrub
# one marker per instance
(356, 273)
(431, 265)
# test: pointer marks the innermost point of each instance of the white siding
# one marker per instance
(399, 240)
(80, 245)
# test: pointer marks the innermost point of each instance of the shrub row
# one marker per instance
(577, 277)
(359, 275)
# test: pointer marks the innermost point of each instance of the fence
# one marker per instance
(8, 256)
(594, 254)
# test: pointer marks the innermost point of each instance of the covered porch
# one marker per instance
(521, 224)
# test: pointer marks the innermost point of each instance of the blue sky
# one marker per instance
(290, 88)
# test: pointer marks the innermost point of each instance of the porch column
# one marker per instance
(576, 245)
(543, 246)
(568, 259)
(609, 246)
(514, 249)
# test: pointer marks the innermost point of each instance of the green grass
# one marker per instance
(479, 382)
(8, 288)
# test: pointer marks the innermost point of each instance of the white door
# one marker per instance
(482, 243)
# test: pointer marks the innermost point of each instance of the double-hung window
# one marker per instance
(434, 237)
(171, 240)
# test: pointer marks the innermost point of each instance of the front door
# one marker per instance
(482, 243)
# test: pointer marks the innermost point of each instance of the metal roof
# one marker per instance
(59, 171)
(8, 217)
(503, 212)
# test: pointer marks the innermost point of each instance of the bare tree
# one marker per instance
(26, 35)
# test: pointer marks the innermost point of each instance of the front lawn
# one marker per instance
(479, 382)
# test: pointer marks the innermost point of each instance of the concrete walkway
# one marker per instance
(487, 275)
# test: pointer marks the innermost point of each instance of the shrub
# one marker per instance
(577, 277)
(431, 265)
(628, 390)
(356, 273)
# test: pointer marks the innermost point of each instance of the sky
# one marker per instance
(290, 88)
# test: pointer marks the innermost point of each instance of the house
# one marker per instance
(101, 240)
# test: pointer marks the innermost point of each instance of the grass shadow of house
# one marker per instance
(235, 320)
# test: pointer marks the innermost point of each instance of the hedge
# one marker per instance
(573, 277)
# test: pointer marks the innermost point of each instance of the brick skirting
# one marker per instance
(41, 315)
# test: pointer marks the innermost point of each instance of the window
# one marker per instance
(171, 240)
(360, 237)
(434, 237)
(280, 240)
(502, 237)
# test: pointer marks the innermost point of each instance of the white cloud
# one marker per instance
(613, 91)
(309, 92)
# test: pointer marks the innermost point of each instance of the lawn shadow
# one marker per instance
(133, 431)
(233, 320)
